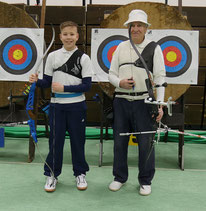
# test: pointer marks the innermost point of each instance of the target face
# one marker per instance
(106, 50)
(180, 49)
(18, 54)
(177, 55)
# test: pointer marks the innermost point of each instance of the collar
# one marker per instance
(68, 52)
(142, 45)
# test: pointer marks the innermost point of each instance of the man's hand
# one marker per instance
(127, 83)
(159, 117)
(57, 87)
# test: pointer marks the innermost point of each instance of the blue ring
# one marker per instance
(102, 59)
(106, 49)
(6, 51)
(183, 52)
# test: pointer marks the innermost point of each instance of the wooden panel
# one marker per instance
(88, 49)
(59, 14)
(20, 6)
(202, 58)
(196, 15)
(202, 76)
(194, 95)
(89, 32)
(95, 89)
(202, 35)
(96, 13)
(176, 120)
(204, 118)
(193, 114)
(94, 107)
(34, 10)
(93, 112)
(48, 34)
(17, 116)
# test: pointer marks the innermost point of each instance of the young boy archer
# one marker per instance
(68, 71)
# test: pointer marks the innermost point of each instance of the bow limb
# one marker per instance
(47, 50)
(149, 83)
(30, 101)
(153, 109)
(29, 109)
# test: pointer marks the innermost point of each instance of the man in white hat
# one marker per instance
(131, 114)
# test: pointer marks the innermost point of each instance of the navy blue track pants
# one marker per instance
(73, 121)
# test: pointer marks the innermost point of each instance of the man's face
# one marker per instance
(138, 31)
(69, 37)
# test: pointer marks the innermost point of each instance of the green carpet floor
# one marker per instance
(21, 183)
(21, 189)
(94, 133)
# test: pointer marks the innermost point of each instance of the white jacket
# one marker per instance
(124, 54)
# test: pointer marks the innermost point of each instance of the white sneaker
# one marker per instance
(81, 182)
(50, 185)
(145, 190)
(115, 185)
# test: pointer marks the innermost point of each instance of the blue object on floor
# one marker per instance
(1, 137)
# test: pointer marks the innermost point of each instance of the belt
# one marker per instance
(58, 95)
(131, 93)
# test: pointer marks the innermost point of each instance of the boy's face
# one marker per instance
(69, 37)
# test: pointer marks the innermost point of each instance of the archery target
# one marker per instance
(18, 54)
(21, 51)
(106, 50)
(180, 50)
(177, 55)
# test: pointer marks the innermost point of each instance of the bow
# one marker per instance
(157, 129)
(30, 101)
(162, 129)
(153, 109)
(30, 105)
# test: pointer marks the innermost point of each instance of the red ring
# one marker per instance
(178, 53)
(11, 51)
(110, 52)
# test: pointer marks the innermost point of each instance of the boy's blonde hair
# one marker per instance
(68, 23)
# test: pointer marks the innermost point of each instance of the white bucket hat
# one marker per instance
(137, 15)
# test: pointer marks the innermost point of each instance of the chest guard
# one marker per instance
(147, 55)
(72, 66)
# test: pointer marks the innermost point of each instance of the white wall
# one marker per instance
(195, 3)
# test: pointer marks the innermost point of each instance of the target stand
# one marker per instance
(176, 121)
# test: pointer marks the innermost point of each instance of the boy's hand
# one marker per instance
(33, 78)
(57, 87)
